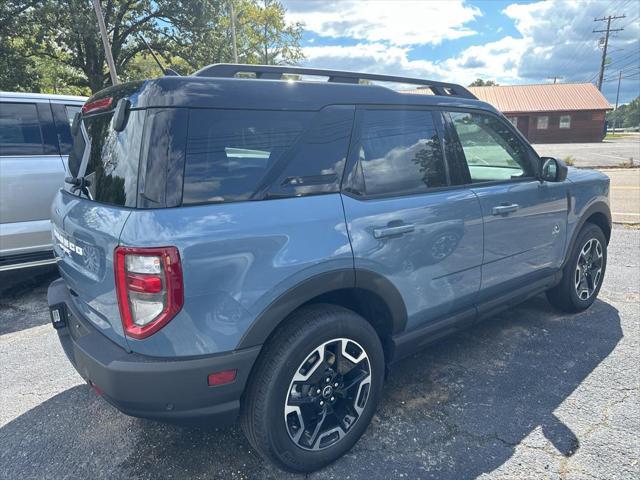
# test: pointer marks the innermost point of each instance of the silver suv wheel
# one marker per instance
(588, 271)
(327, 394)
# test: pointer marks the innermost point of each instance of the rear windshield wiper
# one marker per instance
(79, 184)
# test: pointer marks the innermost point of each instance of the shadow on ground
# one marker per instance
(29, 285)
(453, 412)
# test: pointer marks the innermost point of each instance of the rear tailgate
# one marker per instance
(85, 235)
(87, 221)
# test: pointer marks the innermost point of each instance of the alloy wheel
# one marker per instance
(327, 394)
(589, 269)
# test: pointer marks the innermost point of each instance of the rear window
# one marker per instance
(113, 157)
(230, 152)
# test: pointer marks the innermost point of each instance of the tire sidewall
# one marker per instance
(342, 325)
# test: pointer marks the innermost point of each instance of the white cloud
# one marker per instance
(399, 22)
(555, 38)
(370, 57)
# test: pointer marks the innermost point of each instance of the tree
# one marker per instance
(626, 115)
(69, 35)
(272, 41)
(17, 70)
(55, 45)
(201, 33)
(478, 82)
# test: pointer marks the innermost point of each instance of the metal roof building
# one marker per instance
(552, 112)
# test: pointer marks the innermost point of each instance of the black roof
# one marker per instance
(263, 92)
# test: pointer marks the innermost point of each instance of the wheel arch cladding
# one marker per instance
(367, 293)
(597, 214)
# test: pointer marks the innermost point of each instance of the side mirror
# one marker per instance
(553, 170)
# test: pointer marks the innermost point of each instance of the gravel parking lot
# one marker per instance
(529, 394)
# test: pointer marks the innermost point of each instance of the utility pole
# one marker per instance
(105, 42)
(232, 12)
(606, 42)
(555, 78)
(615, 117)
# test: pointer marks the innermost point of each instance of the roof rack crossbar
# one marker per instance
(275, 72)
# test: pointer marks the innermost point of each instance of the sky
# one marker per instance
(510, 42)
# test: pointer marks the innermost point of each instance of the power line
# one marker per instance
(607, 32)
(629, 55)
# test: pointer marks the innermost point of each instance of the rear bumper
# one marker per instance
(152, 387)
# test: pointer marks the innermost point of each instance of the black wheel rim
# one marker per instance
(588, 271)
(327, 394)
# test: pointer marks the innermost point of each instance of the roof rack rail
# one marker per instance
(275, 72)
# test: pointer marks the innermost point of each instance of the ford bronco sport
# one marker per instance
(266, 248)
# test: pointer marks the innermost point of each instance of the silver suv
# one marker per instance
(35, 140)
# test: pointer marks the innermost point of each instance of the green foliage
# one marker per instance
(626, 115)
(17, 70)
(478, 82)
(55, 45)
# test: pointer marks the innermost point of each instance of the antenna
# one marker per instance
(165, 71)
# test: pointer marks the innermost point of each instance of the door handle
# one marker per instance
(390, 231)
(505, 209)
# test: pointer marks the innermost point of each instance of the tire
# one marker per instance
(267, 417)
(565, 296)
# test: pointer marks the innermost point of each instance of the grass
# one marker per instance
(569, 160)
(612, 136)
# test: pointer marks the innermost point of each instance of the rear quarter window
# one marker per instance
(230, 153)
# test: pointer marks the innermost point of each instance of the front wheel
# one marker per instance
(315, 388)
(584, 272)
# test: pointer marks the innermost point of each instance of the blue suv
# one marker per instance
(245, 242)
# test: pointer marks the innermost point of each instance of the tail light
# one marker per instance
(149, 288)
(96, 105)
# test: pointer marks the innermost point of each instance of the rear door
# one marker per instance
(404, 221)
(87, 225)
(31, 173)
(524, 219)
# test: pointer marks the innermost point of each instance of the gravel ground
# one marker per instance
(529, 394)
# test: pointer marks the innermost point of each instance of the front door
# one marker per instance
(405, 223)
(525, 220)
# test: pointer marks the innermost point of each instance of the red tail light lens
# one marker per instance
(97, 105)
(149, 288)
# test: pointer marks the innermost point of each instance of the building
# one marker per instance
(552, 112)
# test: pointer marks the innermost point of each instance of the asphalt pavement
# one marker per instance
(528, 394)
(624, 194)
(608, 153)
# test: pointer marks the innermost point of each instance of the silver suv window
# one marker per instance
(20, 131)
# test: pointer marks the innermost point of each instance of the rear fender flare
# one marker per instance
(269, 319)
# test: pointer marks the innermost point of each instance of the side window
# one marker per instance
(400, 152)
(63, 118)
(20, 131)
(71, 111)
(230, 152)
(491, 150)
(316, 163)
